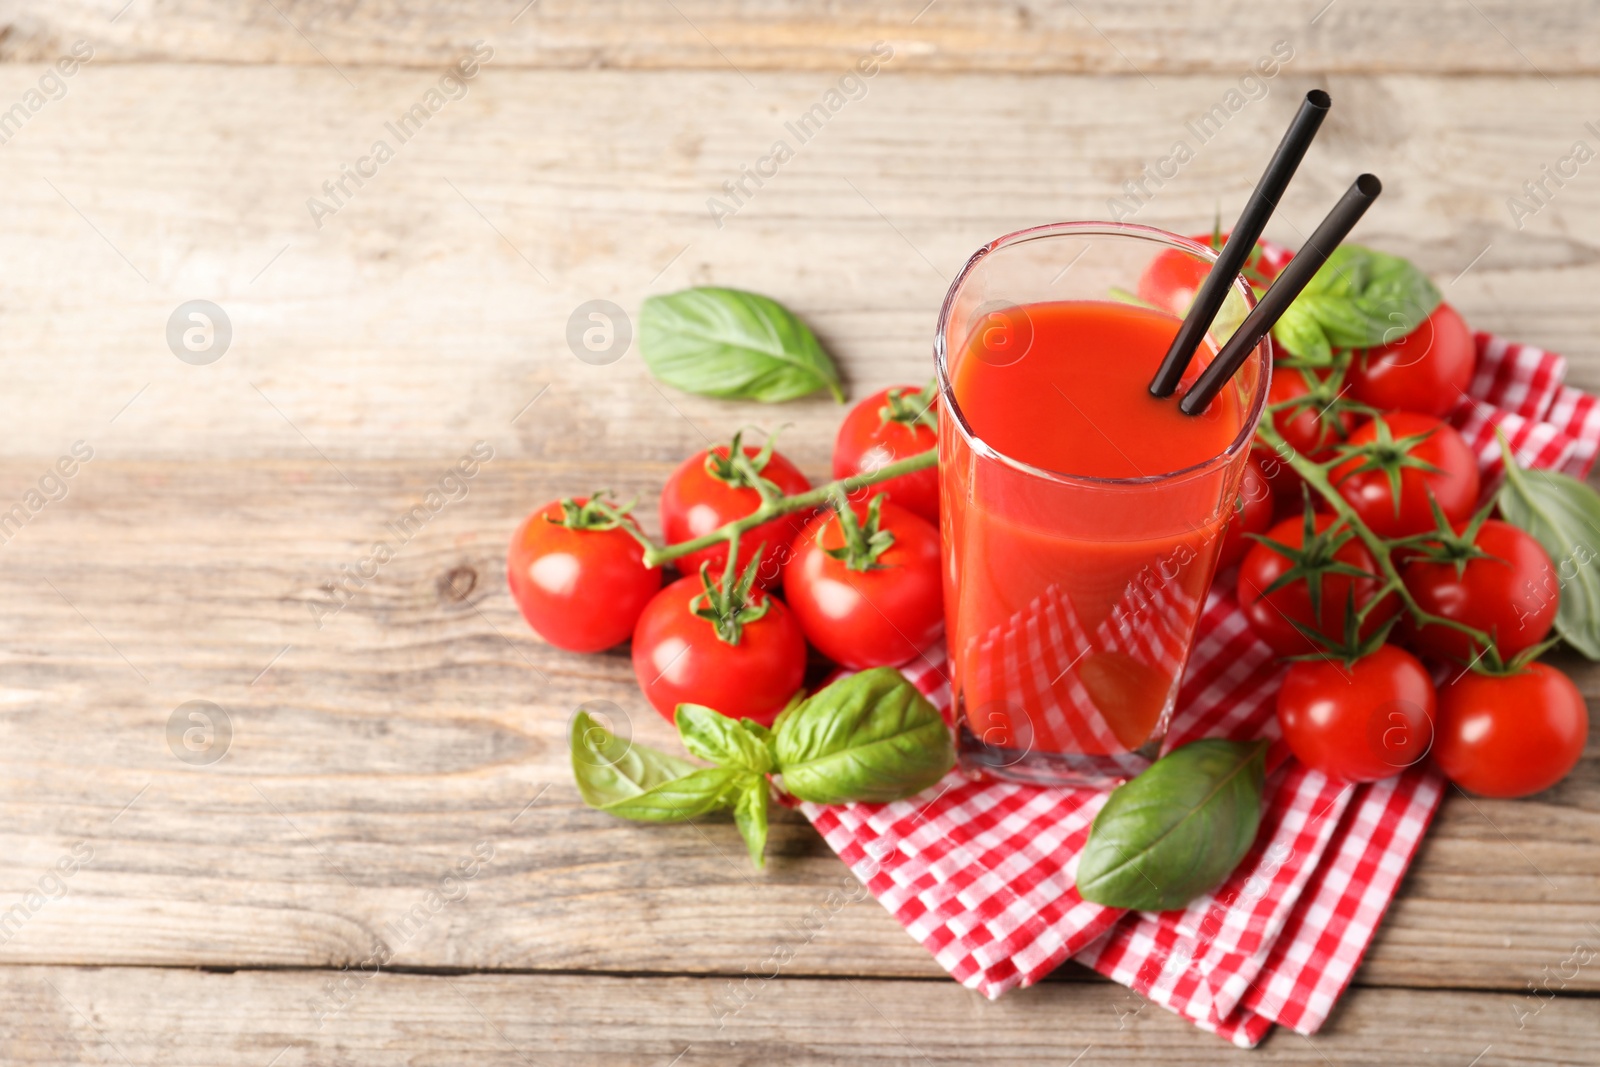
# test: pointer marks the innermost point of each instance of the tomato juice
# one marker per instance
(1078, 401)
(1081, 520)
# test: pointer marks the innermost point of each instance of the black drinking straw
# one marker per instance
(1252, 220)
(1312, 255)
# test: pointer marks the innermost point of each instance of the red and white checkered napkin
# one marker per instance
(982, 873)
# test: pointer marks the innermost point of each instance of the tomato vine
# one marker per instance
(1317, 475)
(773, 505)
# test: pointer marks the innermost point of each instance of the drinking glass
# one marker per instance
(1071, 601)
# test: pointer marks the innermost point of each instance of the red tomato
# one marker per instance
(1510, 735)
(1363, 721)
(580, 589)
(892, 424)
(1427, 370)
(1270, 614)
(1511, 595)
(880, 616)
(1173, 277)
(1364, 480)
(679, 657)
(1171, 281)
(1252, 514)
(704, 493)
(1309, 427)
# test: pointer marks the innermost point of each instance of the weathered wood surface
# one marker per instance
(1149, 36)
(374, 747)
(410, 325)
(424, 717)
(178, 1018)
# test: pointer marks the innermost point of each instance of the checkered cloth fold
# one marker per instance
(982, 873)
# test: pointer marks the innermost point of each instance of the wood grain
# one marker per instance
(1135, 36)
(380, 750)
(432, 308)
(115, 1015)
(371, 754)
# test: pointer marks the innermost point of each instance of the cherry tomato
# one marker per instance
(1252, 513)
(1361, 721)
(1410, 443)
(1428, 370)
(1510, 735)
(1311, 427)
(1512, 595)
(893, 424)
(884, 610)
(581, 589)
(706, 492)
(680, 657)
(1270, 614)
(1173, 277)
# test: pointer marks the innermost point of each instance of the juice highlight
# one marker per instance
(1071, 607)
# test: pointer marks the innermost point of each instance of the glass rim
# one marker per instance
(1106, 229)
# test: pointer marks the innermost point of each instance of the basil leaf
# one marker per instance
(609, 768)
(1229, 316)
(1358, 299)
(732, 344)
(636, 782)
(715, 737)
(1178, 829)
(1563, 515)
(1303, 336)
(869, 737)
(750, 815)
(706, 790)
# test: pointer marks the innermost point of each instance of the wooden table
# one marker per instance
(383, 727)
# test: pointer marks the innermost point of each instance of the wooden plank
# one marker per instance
(430, 310)
(370, 756)
(1149, 36)
(172, 1017)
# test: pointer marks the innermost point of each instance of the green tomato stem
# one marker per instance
(1316, 475)
(772, 507)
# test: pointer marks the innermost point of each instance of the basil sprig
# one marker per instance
(732, 344)
(1563, 515)
(1177, 830)
(1358, 299)
(870, 737)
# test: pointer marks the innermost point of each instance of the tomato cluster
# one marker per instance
(1358, 547)
(859, 576)
(1360, 702)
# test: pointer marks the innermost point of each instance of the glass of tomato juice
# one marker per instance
(1080, 517)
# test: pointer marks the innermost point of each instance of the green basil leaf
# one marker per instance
(715, 737)
(794, 702)
(1358, 299)
(869, 737)
(1229, 317)
(609, 768)
(706, 790)
(732, 344)
(1303, 336)
(636, 782)
(1178, 829)
(1563, 515)
(750, 815)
